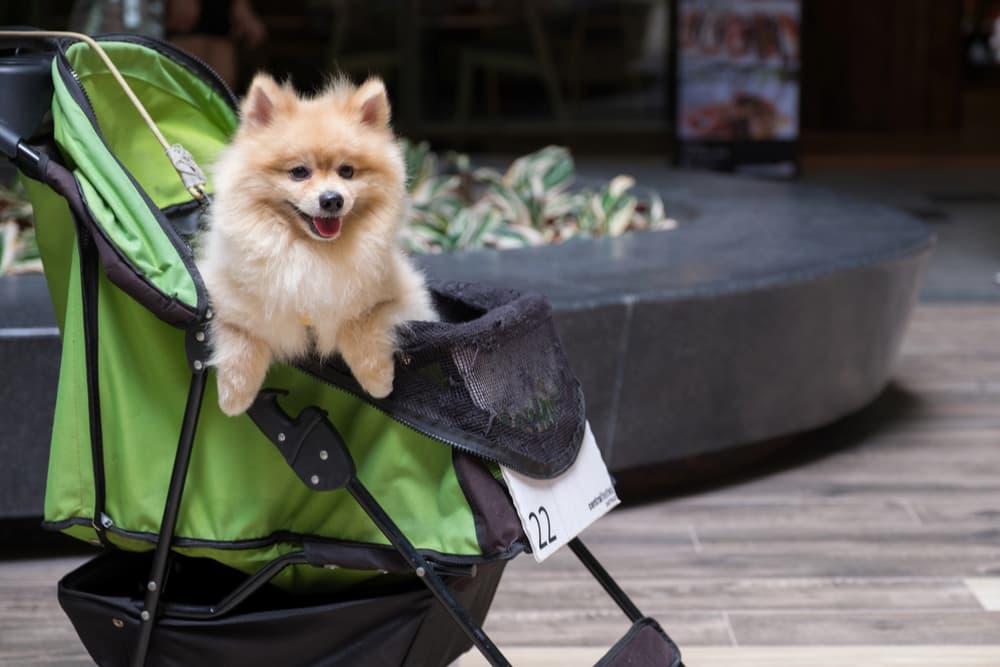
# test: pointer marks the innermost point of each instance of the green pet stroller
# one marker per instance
(322, 528)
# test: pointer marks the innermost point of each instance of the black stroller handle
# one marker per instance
(26, 88)
(9, 141)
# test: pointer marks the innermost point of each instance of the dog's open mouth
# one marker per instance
(326, 228)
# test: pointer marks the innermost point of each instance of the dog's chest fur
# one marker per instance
(281, 296)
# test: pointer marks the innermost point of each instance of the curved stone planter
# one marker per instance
(779, 308)
(29, 371)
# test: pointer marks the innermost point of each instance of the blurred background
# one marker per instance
(877, 534)
(727, 83)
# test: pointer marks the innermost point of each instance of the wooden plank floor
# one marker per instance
(882, 548)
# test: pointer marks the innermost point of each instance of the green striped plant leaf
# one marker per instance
(456, 206)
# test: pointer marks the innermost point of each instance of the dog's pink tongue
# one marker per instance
(327, 227)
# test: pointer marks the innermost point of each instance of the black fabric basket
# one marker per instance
(388, 626)
(491, 377)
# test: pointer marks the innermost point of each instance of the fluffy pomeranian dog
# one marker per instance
(300, 255)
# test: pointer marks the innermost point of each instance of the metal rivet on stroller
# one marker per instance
(324, 527)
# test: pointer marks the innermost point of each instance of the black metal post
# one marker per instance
(408, 33)
(602, 576)
(253, 584)
(168, 525)
(426, 572)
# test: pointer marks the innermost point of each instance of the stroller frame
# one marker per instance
(339, 466)
(309, 442)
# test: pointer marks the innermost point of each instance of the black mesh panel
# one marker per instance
(490, 378)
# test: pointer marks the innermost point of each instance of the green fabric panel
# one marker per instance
(239, 487)
(122, 212)
(186, 110)
(56, 236)
(69, 491)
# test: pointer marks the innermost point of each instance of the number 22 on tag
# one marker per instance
(542, 540)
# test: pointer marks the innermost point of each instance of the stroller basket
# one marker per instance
(394, 623)
(321, 528)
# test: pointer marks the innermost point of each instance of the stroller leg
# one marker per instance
(426, 572)
(605, 579)
(158, 571)
(617, 594)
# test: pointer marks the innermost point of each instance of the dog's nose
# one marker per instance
(331, 201)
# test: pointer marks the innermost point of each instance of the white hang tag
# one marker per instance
(554, 511)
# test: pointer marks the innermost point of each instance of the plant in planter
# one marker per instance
(453, 206)
(18, 249)
(458, 207)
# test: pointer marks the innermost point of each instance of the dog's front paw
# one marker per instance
(235, 394)
(241, 363)
(377, 379)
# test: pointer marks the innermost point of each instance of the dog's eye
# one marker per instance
(345, 171)
(299, 173)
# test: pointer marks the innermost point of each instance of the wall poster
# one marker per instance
(738, 76)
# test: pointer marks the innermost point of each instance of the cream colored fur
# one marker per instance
(277, 286)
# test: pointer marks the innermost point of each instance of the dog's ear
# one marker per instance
(373, 103)
(261, 100)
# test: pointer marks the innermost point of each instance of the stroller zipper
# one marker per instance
(89, 298)
(91, 114)
(402, 420)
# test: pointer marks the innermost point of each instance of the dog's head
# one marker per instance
(328, 165)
